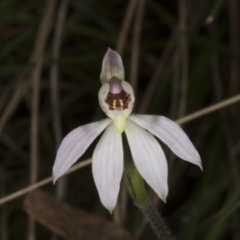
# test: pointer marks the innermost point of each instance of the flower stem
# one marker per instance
(156, 221)
(136, 188)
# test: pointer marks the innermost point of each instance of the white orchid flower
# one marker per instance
(116, 98)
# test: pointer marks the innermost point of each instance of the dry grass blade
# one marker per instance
(19, 90)
(3, 210)
(136, 45)
(4, 96)
(159, 70)
(234, 44)
(61, 185)
(175, 82)
(24, 82)
(219, 96)
(126, 26)
(71, 223)
(37, 60)
(208, 110)
(183, 50)
(41, 183)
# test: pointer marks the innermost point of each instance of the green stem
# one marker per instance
(136, 188)
(156, 221)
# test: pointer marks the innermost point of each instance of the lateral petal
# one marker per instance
(149, 158)
(75, 144)
(107, 166)
(171, 134)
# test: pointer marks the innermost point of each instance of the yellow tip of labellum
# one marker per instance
(120, 122)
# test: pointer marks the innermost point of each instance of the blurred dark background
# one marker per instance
(180, 56)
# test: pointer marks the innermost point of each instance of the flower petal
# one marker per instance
(171, 134)
(102, 95)
(112, 66)
(75, 144)
(107, 166)
(149, 158)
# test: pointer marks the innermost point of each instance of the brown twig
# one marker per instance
(175, 82)
(4, 96)
(136, 45)
(41, 183)
(219, 96)
(209, 109)
(11, 143)
(159, 70)
(183, 49)
(24, 80)
(21, 87)
(54, 78)
(234, 44)
(37, 60)
(126, 26)
(4, 222)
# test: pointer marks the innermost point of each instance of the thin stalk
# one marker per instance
(126, 26)
(156, 221)
(61, 185)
